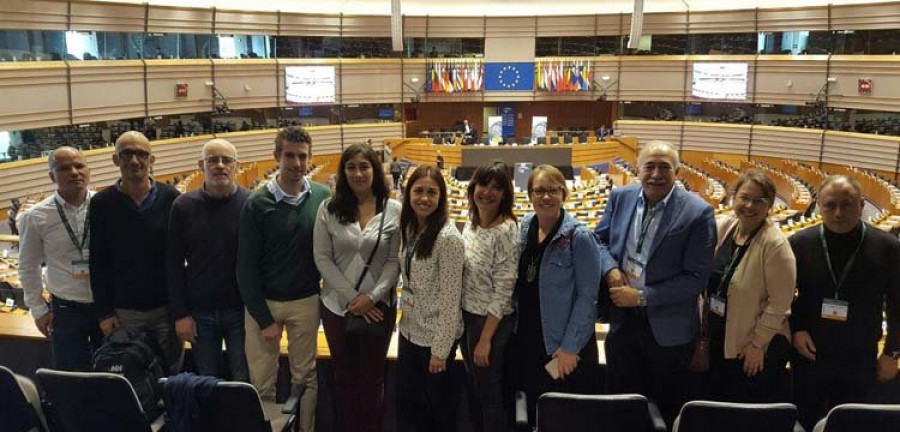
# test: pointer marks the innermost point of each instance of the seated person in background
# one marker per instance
(469, 133)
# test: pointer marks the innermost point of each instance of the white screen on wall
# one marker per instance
(309, 84)
(719, 81)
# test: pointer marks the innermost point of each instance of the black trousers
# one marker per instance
(76, 335)
(636, 363)
(425, 400)
(824, 384)
(484, 385)
(729, 383)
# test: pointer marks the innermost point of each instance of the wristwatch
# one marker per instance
(642, 299)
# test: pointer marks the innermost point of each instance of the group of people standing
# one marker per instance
(520, 298)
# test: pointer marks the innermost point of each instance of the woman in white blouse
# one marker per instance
(489, 277)
(356, 245)
(432, 264)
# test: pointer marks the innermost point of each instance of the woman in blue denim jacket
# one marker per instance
(556, 295)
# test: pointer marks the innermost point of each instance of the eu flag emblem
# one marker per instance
(509, 76)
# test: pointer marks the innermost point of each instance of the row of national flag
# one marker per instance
(563, 75)
(449, 76)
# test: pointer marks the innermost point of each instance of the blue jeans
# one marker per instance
(76, 335)
(212, 327)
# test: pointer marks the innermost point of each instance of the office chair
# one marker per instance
(93, 401)
(708, 416)
(861, 417)
(554, 140)
(567, 138)
(562, 412)
(542, 140)
(21, 405)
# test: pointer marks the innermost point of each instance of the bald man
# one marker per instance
(847, 277)
(129, 228)
(55, 232)
(204, 296)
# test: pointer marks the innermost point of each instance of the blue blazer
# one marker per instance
(678, 265)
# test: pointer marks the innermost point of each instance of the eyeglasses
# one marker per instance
(128, 154)
(224, 160)
(553, 192)
(749, 200)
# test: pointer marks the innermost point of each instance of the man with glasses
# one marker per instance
(657, 244)
(55, 232)
(203, 293)
(129, 225)
(847, 277)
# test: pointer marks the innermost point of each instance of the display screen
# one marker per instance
(309, 84)
(719, 81)
(386, 113)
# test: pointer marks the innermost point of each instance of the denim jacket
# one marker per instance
(569, 280)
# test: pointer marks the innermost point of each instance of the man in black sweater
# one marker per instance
(129, 222)
(203, 290)
(847, 270)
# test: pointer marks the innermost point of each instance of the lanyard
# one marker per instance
(410, 253)
(84, 232)
(736, 258)
(645, 226)
(838, 283)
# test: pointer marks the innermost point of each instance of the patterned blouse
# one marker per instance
(432, 287)
(492, 257)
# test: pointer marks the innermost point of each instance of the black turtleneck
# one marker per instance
(841, 247)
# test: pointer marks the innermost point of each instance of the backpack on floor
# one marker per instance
(133, 353)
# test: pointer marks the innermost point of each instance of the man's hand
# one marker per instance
(45, 324)
(360, 305)
(754, 359)
(272, 332)
(887, 368)
(437, 365)
(803, 343)
(186, 329)
(625, 296)
(107, 325)
(566, 361)
(615, 278)
(482, 353)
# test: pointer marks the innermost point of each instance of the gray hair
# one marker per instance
(657, 146)
(222, 141)
(839, 179)
(51, 159)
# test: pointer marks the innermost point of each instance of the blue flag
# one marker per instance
(509, 76)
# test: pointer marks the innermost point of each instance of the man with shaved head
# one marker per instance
(848, 275)
(129, 227)
(55, 232)
(203, 289)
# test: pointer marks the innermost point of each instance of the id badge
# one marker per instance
(633, 269)
(81, 270)
(835, 310)
(717, 305)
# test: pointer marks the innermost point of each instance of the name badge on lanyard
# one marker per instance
(835, 310)
(634, 269)
(717, 305)
(80, 268)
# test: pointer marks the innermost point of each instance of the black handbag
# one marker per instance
(357, 325)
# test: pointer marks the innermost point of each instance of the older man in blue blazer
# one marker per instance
(657, 243)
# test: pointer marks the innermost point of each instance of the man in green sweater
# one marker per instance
(277, 275)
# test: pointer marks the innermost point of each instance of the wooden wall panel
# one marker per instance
(437, 116)
(665, 23)
(561, 115)
(246, 22)
(164, 19)
(178, 155)
(112, 17)
(716, 138)
(107, 90)
(573, 25)
(35, 94)
(34, 14)
(787, 143)
(504, 27)
(805, 74)
(883, 70)
(786, 19)
(861, 150)
(607, 66)
(366, 26)
(414, 26)
(366, 82)
(253, 146)
(732, 21)
(162, 75)
(293, 24)
(461, 27)
(247, 83)
(608, 25)
(650, 130)
(865, 16)
(657, 78)
(326, 139)
(358, 134)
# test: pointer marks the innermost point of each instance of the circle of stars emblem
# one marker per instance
(509, 77)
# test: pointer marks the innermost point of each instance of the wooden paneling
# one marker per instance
(459, 27)
(883, 70)
(163, 19)
(560, 115)
(732, 21)
(310, 25)
(778, 20)
(861, 150)
(33, 14)
(646, 131)
(716, 138)
(789, 80)
(656, 78)
(608, 25)
(35, 94)
(515, 27)
(162, 75)
(414, 26)
(374, 81)
(112, 17)
(575, 25)
(105, 90)
(247, 83)
(607, 66)
(787, 143)
(246, 23)
(865, 16)
(665, 23)
(366, 26)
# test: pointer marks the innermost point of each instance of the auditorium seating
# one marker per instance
(22, 404)
(709, 416)
(561, 412)
(861, 417)
(93, 401)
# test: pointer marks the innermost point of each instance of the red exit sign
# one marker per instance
(865, 86)
(181, 90)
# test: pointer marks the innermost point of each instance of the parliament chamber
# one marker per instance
(819, 97)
